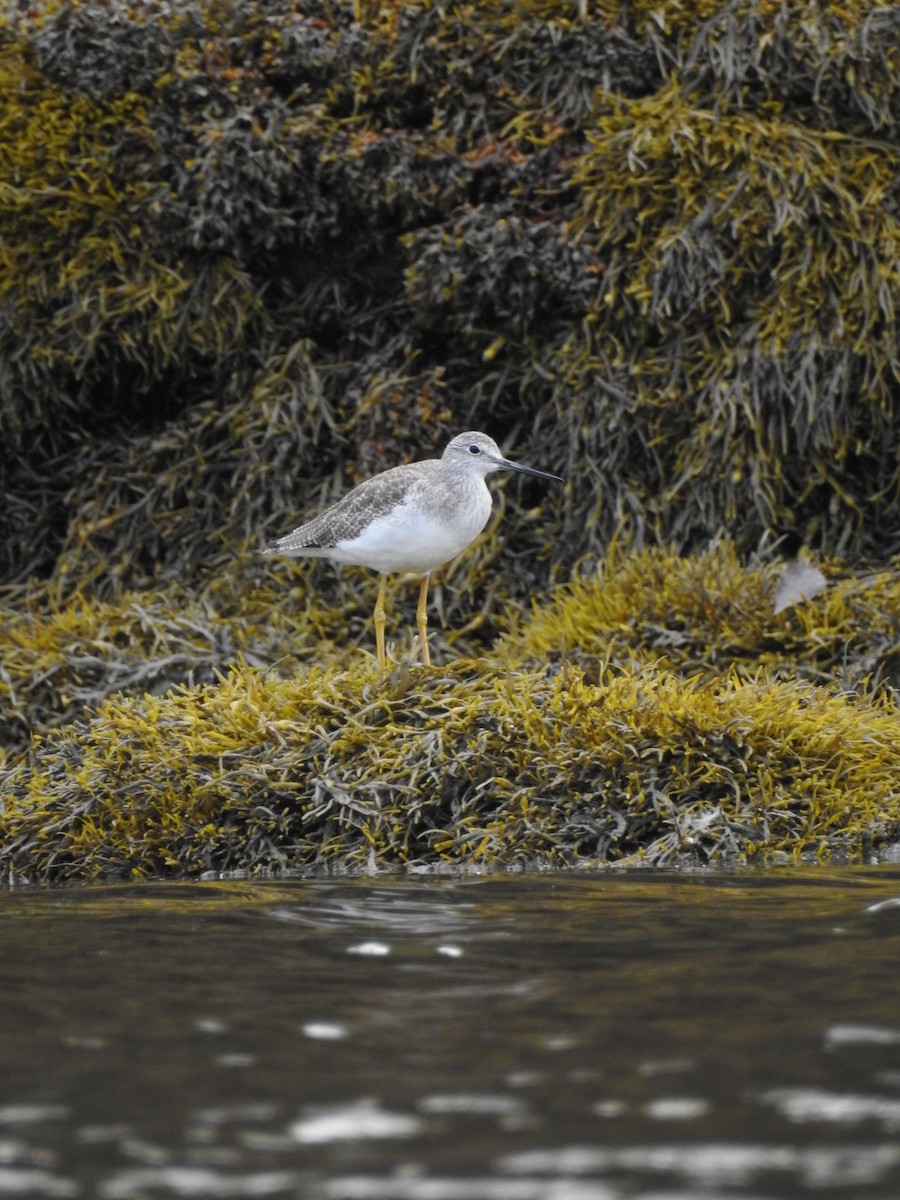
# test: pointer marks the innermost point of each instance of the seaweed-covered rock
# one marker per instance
(667, 232)
(468, 766)
(101, 50)
(660, 713)
(251, 254)
(709, 615)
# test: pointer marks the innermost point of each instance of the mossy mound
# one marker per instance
(473, 765)
(658, 732)
(709, 613)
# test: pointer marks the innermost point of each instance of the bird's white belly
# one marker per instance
(410, 539)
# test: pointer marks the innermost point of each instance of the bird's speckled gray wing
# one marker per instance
(352, 513)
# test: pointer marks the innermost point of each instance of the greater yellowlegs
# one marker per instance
(411, 518)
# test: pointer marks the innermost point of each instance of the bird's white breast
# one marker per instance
(418, 536)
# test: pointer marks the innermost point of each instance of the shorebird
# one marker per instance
(411, 518)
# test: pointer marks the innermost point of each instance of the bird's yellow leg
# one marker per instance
(422, 619)
(380, 619)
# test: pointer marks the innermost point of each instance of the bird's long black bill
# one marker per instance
(514, 466)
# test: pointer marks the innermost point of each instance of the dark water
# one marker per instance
(649, 1036)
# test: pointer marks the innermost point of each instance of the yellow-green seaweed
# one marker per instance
(617, 744)
(472, 765)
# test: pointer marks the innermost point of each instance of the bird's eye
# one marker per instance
(473, 449)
